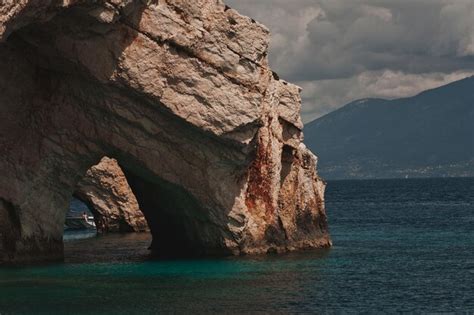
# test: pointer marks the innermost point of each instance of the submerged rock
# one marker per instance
(181, 95)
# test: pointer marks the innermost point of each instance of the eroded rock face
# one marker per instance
(106, 192)
(180, 93)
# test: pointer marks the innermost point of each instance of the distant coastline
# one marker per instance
(346, 172)
(428, 135)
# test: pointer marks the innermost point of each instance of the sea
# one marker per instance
(400, 246)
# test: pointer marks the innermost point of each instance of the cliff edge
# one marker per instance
(179, 92)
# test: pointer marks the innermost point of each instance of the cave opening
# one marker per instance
(80, 221)
(104, 208)
(85, 243)
(117, 201)
(178, 225)
(105, 192)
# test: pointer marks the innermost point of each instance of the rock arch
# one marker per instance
(180, 93)
(106, 192)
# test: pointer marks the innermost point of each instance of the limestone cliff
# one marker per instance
(180, 93)
(106, 192)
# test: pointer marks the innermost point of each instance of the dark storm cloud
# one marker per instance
(343, 49)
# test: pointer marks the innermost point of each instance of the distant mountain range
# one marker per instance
(428, 135)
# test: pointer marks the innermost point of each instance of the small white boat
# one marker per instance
(79, 223)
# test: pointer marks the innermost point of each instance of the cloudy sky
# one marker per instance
(343, 50)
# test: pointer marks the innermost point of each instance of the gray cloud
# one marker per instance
(340, 50)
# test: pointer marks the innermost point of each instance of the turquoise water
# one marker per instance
(399, 245)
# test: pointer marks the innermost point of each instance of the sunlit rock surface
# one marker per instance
(106, 192)
(179, 92)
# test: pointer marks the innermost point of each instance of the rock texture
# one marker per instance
(180, 93)
(106, 192)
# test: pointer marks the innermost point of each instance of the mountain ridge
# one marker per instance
(430, 134)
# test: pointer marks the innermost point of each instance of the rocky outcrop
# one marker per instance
(107, 194)
(179, 92)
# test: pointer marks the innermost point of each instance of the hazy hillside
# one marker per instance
(431, 134)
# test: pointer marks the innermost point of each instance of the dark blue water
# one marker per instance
(399, 245)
